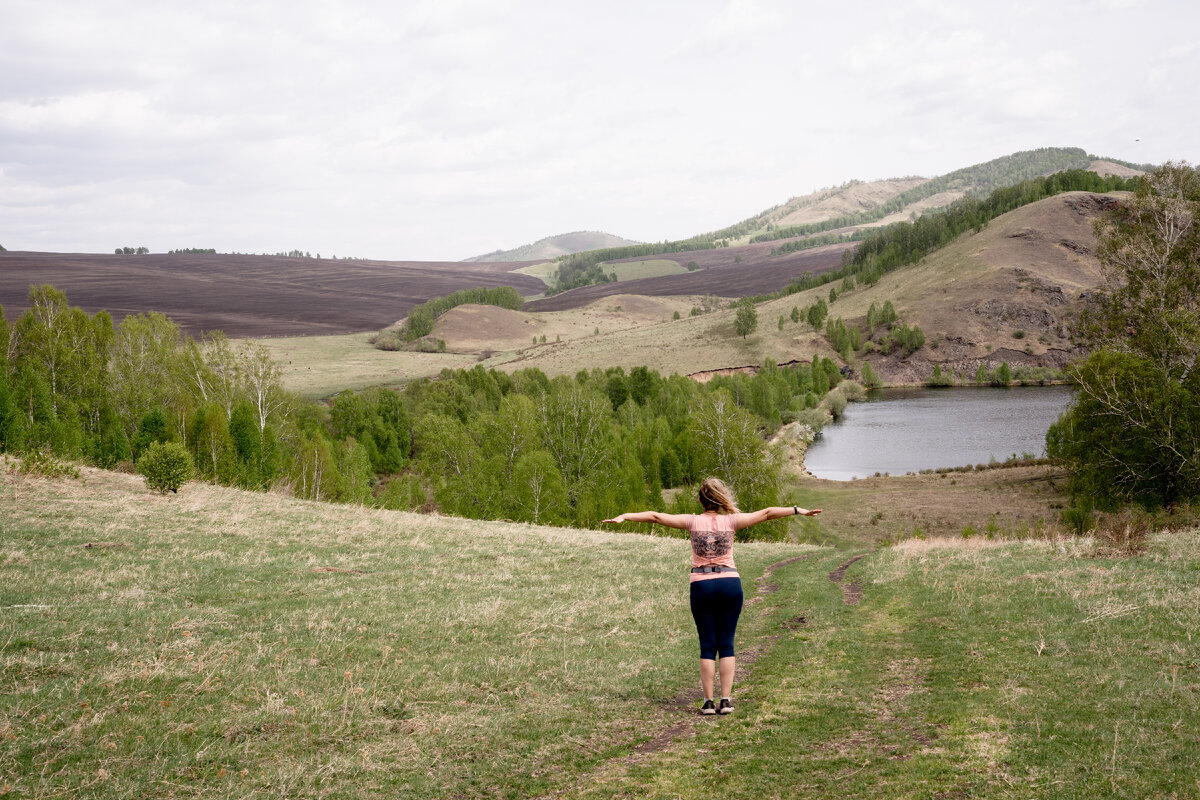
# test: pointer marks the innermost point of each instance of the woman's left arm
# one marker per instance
(773, 512)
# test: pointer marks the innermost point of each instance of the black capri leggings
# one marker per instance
(716, 605)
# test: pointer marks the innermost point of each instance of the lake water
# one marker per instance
(908, 430)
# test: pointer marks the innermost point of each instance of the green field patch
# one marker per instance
(653, 268)
(544, 271)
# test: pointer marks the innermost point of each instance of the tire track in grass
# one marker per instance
(852, 592)
(904, 677)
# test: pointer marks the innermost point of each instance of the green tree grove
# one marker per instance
(1132, 434)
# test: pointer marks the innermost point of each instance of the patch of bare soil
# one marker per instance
(851, 591)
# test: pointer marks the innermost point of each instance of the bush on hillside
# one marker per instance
(853, 391)
(166, 466)
(814, 418)
(45, 464)
(836, 402)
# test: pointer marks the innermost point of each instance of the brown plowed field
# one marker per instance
(247, 295)
(758, 273)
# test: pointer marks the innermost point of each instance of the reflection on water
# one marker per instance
(908, 430)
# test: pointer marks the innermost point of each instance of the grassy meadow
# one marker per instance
(321, 366)
(221, 643)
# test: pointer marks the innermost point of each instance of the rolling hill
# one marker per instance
(555, 246)
(838, 214)
(727, 272)
(1006, 293)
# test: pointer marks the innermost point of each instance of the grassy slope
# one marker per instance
(241, 644)
(238, 643)
(652, 268)
(1010, 502)
(980, 266)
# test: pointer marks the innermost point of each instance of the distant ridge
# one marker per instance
(554, 246)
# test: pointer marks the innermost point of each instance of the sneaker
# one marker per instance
(726, 706)
(708, 707)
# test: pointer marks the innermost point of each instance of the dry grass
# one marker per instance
(320, 366)
(1001, 503)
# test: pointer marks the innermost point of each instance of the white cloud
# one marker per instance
(439, 129)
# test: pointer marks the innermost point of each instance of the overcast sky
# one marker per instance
(445, 129)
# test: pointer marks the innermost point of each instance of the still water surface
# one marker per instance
(908, 430)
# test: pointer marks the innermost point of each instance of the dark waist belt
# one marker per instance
(714, 569)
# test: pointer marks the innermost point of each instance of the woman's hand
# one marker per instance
(615, 520)
(809, 512)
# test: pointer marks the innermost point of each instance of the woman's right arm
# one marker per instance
(681, 521)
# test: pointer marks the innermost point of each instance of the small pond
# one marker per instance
(908, 430)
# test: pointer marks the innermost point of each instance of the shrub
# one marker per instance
(853, 390)
(869, 378)
(40, 462)
(836, 402)
(940, 378)
(166, 466)
(814, 418)
(1124, 532)
(1078, 520)
(387, 340)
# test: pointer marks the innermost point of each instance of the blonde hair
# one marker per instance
(716, 496)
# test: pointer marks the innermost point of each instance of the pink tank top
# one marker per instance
(712, 544)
